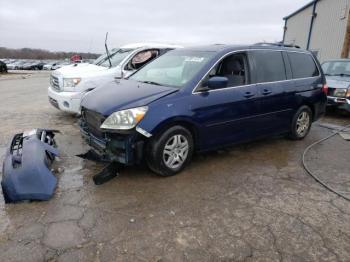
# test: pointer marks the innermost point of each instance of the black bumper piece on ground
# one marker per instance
(108, 172)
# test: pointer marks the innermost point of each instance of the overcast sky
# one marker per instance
(80, 25)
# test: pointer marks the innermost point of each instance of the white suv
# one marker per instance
(70, 83)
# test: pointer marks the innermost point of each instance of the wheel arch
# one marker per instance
(179, 121)
(312, 108)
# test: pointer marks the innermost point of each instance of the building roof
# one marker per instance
(300, 9)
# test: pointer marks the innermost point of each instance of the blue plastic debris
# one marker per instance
(26, 171)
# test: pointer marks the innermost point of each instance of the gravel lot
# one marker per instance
(249, 203)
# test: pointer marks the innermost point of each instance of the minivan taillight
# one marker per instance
(325, 89)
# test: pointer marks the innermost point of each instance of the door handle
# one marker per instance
(248, 94)
(266, 92)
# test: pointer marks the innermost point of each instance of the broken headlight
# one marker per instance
(125, 119)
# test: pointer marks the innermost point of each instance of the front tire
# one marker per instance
(170, 151)
(301, 123)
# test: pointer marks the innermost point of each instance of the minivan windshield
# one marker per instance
(116, 57)
(336, 68)
(174, 68)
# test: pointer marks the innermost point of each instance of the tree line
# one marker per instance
(30, 53)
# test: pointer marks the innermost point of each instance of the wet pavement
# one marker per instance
(253, 202)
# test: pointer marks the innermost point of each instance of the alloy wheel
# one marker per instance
(303, 123)
(175, 151)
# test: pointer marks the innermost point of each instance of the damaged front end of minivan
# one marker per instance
(126, 147)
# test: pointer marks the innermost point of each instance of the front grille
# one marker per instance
(16, 150)
(55, 83)
(17, 144)
(93, 122)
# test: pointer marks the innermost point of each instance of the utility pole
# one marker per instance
(346, 44)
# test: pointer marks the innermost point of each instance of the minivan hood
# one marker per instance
(80, 70)
(338, 81)
(123, 94)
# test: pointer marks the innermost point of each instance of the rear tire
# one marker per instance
(301, 123)
(169, 152)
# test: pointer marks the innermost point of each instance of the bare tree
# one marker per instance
(29, 53)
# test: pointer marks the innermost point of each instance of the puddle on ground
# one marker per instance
(275, 152)
(70, 181)
(278, 159)
(72, 173)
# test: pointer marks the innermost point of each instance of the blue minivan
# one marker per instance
(203, 98)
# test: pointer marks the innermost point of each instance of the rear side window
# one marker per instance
(269, 66)
(303, 65)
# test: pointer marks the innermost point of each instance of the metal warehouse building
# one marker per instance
(322, 26)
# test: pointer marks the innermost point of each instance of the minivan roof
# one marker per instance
(229, 48)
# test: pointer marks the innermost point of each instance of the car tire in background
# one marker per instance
(169, 152)
(301, 123)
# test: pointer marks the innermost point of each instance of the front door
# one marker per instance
(228, 115)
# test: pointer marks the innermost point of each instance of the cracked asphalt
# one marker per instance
(252, 202)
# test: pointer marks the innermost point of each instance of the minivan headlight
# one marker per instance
(71, 82)
(125, 119)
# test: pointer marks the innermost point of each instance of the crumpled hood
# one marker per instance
(80, 70)
(338, 81)
(123, 94)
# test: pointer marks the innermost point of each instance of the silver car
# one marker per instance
(337, 73)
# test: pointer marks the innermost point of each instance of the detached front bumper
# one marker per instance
(126, 149)
(340, 102)
(26, 168)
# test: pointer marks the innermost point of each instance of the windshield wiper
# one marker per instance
(151, 83)
(107, 52)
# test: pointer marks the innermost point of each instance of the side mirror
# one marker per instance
(119, 74)
(126, 74)
(217, 82)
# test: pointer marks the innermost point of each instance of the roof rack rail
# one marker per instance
(277, 44)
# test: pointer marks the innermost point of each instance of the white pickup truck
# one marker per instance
(70, 83)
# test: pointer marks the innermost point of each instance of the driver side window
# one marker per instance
(234, 68)
(142, 58)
